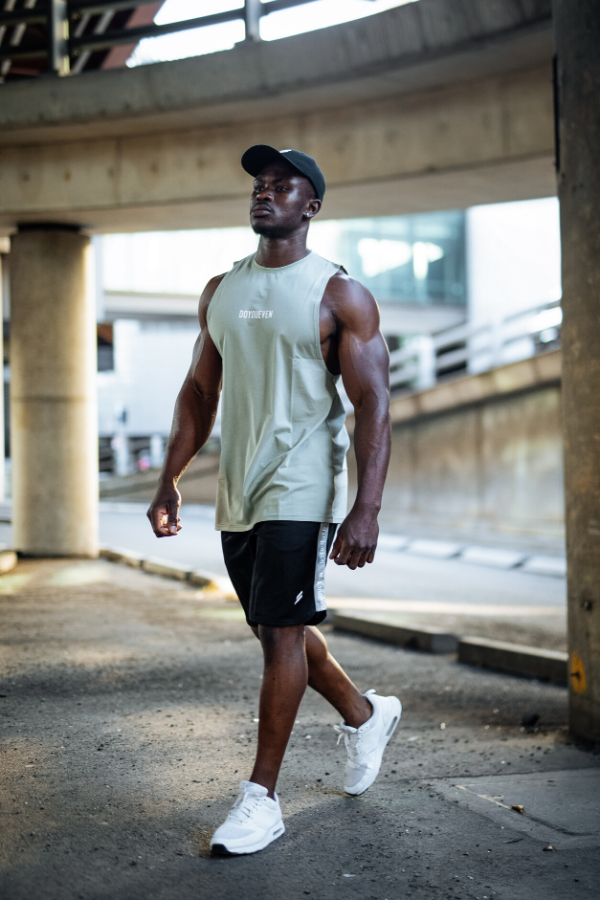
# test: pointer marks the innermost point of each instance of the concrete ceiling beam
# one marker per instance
(433, 105)
(411, 48)
(450, 148)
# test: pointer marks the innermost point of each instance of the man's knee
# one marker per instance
(280, 639)
(316, 647)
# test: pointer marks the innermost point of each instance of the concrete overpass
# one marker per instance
(433, 105)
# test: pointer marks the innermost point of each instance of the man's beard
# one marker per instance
(273, 232)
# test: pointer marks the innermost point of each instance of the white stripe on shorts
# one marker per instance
(320, 604)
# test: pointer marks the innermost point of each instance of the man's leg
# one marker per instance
(284, 682)
(295, 656)
(326, 676)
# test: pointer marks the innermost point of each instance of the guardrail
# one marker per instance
(472, 348)
(62, 32)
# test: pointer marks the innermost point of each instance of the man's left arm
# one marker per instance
(364, 365)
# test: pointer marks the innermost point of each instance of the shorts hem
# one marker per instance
(316, 619)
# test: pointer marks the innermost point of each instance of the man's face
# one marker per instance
(283, 201)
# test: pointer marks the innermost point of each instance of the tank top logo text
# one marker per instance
(256, 313)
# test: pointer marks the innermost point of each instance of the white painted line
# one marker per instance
(492, 557)
(392, 542)
(546, 565)
(434, 549)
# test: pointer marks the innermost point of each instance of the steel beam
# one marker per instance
(133, 35)
(58, 34)
(252, 13)
(94, 7)
(24, 17)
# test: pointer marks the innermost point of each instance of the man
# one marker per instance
(276, 333)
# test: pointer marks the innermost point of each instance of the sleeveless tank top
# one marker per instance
(283, 437)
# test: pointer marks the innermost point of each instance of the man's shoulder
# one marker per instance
(216, 280)
(343, 289)
(211, 287)
(207, 294)
(352, 305)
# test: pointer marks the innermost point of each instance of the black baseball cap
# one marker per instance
(257, 157)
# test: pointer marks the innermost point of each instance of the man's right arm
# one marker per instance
(193, 420)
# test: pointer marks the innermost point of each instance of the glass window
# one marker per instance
(400, 259)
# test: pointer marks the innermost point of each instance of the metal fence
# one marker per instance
(471, 348)
(57, 34)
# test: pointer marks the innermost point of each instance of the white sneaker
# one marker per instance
(252, 824)
(365, 745)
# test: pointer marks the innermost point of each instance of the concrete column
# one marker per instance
(53, 394)
(577, 39)
(252, 19)
(1, 385)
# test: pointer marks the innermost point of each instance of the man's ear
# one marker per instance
(312, 208)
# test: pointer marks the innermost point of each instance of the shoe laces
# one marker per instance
(245, 806)
(352, 739)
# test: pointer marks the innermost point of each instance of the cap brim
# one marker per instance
(260, 155)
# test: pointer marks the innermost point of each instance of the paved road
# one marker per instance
(462, 598)
(393, 575)
(128, 713)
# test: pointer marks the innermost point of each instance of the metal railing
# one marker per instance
(62, 31)
(471, 348)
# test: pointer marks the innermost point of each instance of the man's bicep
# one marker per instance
(206, 370)
(363, 353)
(365, 366)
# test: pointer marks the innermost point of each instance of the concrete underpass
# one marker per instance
(129, 693)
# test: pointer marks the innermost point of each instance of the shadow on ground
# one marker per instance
(127, 714)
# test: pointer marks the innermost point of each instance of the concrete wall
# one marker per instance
(497, 464)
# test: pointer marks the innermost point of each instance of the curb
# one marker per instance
(554, 566)
(490, 557)
(156, 566)
(127, 557)
(434, 549)
(515, 659)
(8, 560)
(432, 640)
(166, 569)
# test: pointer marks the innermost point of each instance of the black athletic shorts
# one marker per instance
(278, 571)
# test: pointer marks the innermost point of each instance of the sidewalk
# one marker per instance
(128, 714)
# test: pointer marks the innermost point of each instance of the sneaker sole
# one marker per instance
(370, 777)
(270, 836)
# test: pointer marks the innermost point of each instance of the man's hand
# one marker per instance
(356, 540)
(163, 512)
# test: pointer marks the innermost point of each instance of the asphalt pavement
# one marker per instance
(394, 574)
(128, 714)
(507, 604)
(512, 605)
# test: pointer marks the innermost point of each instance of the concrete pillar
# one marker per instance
(1, 384)
(252, 19)
(577, 39)
(53, 393)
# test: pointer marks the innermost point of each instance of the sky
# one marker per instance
(211, 39)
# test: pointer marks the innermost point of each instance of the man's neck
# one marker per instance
(273, 253)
